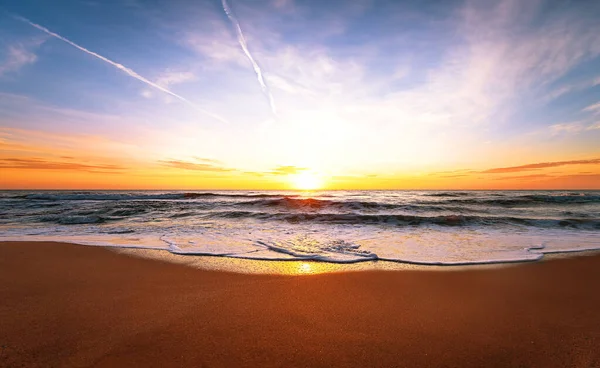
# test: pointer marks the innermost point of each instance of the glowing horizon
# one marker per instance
(368, 95)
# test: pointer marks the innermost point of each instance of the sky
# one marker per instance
(284, 94)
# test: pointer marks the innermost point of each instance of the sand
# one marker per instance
(64, 305)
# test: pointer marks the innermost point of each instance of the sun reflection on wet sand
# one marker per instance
(304, 268)
(290, 268)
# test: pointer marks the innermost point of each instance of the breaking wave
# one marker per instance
(407, 220)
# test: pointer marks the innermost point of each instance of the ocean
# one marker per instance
(418, 227)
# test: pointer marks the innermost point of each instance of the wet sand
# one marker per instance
(64, 305)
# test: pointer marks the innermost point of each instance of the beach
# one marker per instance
(66, 305)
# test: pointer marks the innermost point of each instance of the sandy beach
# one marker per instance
(65, 305)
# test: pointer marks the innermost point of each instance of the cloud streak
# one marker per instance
(595, 108)
(121, 67)
(186, 165)
(574, 127)
(39, 164)
(287, 170)
(243, 44)
(540, 165)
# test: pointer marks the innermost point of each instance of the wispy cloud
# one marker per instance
(541, 165)
(244, 46)
(121, 67)
(573, 87)
(17, 56)
(454, 176)
(16, 142)
(286, 170)
(594, 109)
(211, 161)
(476, 85)
(168, 79)
(574, 127)
(41, 164)
(452, 172)
(194, 166)
(172, 77)
(526, 177)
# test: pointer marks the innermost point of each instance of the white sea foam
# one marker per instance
(431, 248)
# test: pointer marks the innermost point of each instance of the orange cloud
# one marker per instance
(527, 177)
(541, 165)
(187, 165)
(452, 173)
(454, 176)
(208, 160)
(39, 164)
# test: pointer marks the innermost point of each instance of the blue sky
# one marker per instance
(350, 88)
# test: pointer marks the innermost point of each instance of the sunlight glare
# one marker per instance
(306, 181)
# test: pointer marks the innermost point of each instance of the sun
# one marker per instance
(306, 181)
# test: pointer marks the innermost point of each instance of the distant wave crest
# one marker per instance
(88, 196)
(407, 220)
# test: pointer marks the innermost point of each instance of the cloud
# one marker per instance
(574, 127)
(40, 164)
(17, 56)
(121, 67)
(208, 160)
(217, 46)
(172, 77)
(454, 176)
(187, 165)
(569, 88)
(526, 177)
(89, 148)
(452, 172)
(487, 61)
(541, 165)
(595, 108)
(464, 71)
(286, 170)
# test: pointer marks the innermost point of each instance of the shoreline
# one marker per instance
(243, 265)
(71, 305)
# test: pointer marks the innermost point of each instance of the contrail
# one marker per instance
(242, 41)
(121, 67)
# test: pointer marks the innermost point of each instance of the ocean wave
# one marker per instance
(296, 201)
(407, 220)
(566, 198)
(527, 200)
(232, 195)
(90, 196)
(79, 220)
(454, 203)
(99, 197)
(448, 194)
(319, 204)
